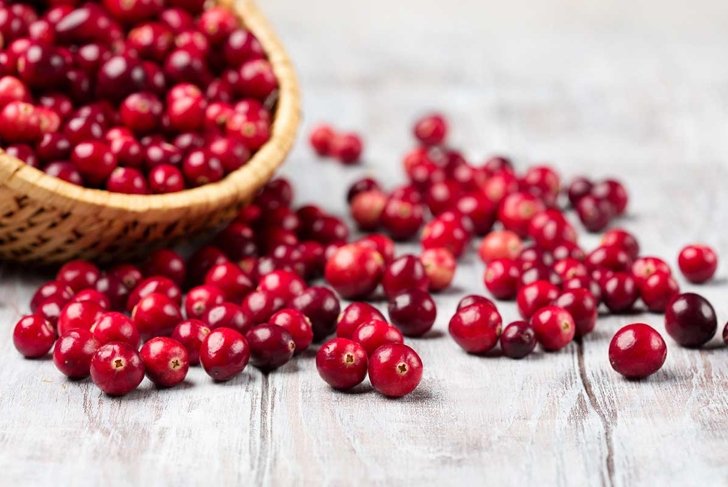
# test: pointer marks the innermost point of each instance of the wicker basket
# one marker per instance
(45, 220)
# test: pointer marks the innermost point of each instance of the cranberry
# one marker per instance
(517, 210)
(439, 265)
(355, 271)
(644, 267)
(658, 290)
(395, 370)
(117, 369)
(42, 67)
(500, 244)
(375, 333)
(698, 263)
(191, 334)
(518, 340)
(260, 305)
(619, 292)
(611, 258)
(228, 315)
(595, 214)
(50, 289)
(381, 243)
(271, 346)
(402, 219)
(538, 273)
(479, 210)
(224, 354)
(554, 327)
(157, 153)
(690, 320)
(242, 46)
(33, 336)
(231, 153)
(94, 160)
(127, 180)
(442, 195)
(366, 209)
(230, 279)
(129, 274)
(578, 188)
(115, 327)
(362, 185)
(200, 299)
(413, 311)
(329, 229)
(120, 76)
(502, 278)
(154, 284)
(252, 130)
(403, 274)
(582, 306)
(472, 299)
(23, 152)
(73, 352)
(321, 306)
(354, 315)
(92, 295)
(613, 192)
(141, 112)
(284, 285)
(257, 80)
(431, 129)
(342, 363)
(166, 361)
(78, 316)
(535, 296)
(12, 89)
(446, 233)
(297, 325)
(637, 351)
(20, 122)
(156, 315)
(115, 291)
(476, 328)
(322, 140)
(542, 182)
(623, 239)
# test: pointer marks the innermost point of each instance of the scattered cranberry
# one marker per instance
(476, 328)
(297, 324)
(381, 243)
(517, 210)
(535, 296)
(595, 214)
(619, 292)
(403, 274)
(228, 315)
(321, 306)
(342, 363)
(115, 327)
(612, 258)
(658, 290)
(354, 315)
(439, 265)
(582, 306)
(224, 354)
(75, 316)
(472, 299)
(150, 285)
(644, 267)
(690, 320)
(413, 311)
(117, 369)
(73, 352)
(554, 327)
(623, 239)
(502, 278)
(431, 129)
(500, 244)
(637, 351)
(322, 140)
(92, 295)
(578, 188)
(395, 370)
(613, 192)
(347, 148)
(156, 315)
(191, 334)
(230, 279)
(167, 263)
(402, 219)
(518, 340)
(200, 299)
(283, 285)
(698, 263)
(33, 336)
(166, 361)
(271, 346)
(366, 209)
(375, 333)
(79, 275)
(48, 290)
(354, 271)
(259, 306)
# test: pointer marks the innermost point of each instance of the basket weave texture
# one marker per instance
(45, 220)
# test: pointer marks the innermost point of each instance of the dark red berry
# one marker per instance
(413, 312)
(321, 306)
(375, 333)
(75, 316)
(73, 352)
(403, 274)
(117, 369)
(342, 363)
(637, 351)
(79, 275)
(355, 271)
(271, 346)
(354, 315)
(657, 291)
(156, 315)
(518, 340)
(166, 361)
(698, 263)
(554, 327)
(228, 315)
(224, 354)
(622, 239)
(395, 370)
(297, 324)
(167, 263)
(582, 306)
(50, 289)
(535, 296)
(476, 328)
(690, 320)
(115, 327)
(431, 129)
(619, 292)
(33, 336)
(191, 334)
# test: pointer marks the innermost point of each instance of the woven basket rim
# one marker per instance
(17, 175)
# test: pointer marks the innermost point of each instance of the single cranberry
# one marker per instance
(431, 129)
(321, 139)
(568, 250)
(395, 370)
(595, 214)
(297, 324)
(354, 271)
(543, 182)
(230, 279)
(698, 263)
(231, 153)
(191, 334)
(129, 274)
(362, 185)
(658, 290)
(342, 363)
(199, 263)
(115, 290)
(517, 210)
(472, 299)
(20, 122)
(156, 315)
(402, 219)
(23, 152)
(157, 153)
(237, 241)
(271, 346)
(554, 327)
(637, 351)
(50, 289)
(260, 305)
(33, 336)
(578, 188)
(354, 315)
(403, 274)
(177, 18)
(366, 209)
(12, 89)
(500, 244)
(413, 312)
(257, 80)
(644, 267)
(117, 369)
(582, 306)
(94, 160)
(224, 354)
(73, 352)
(141, 112)
(166, 361)
(200, 299)
(538, 273)
(442, 195)
(187, 114)
(381, 243)
(242, 46)
(42, 67)
(446, 233)
(518, 340)
(326, 230)
(611, 258)
(690, 320)
(375, 333)
(154, 284)
(613, 192)
(619, 292)
(92, 295)
(167, 263)
(499, 186)
(127, 180)
(501, 278)
(228, 315)
(76, 316)
(535, 296)
(201, 167)
(550, 229)
(439, 265)
(284, 285)
(115, 327)
(623, 239)
(476, 328)
(252, 130)
(121, 76)
(65, 171)
(479, 210)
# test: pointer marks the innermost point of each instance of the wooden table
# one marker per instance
(638, 90)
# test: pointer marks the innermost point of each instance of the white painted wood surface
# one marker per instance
(638, 89)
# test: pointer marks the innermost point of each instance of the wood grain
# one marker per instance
(595, 88)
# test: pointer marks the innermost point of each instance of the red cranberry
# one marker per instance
(476, 328)
(442, 195)
(73, 352)
(472, 299)
(619, 292)
(231, 153)
(354, 271)
(141, 112)
(191, 334)
(242, 46)
(644, 267)
(50, 289)
(342, 363)
(725, 334)
(381, 243)
(252, 130)
(322, 139)
(637, 351)
(297, 325)
(76, 316)
(260, 305)
(542, 182)
(42, 67)
(404, 274)
(578, 188)
(623, 239)
(537, 273)
(127, 180)
(613, 192)
(151, 40)
(582, 306)
(502, 278)
(257, 80)
(413, 311)
(157, 153)
(446, 233)
(690, 320)
(201, 167)
(156, 315)
(698, 263)
(366, 209)
(431, 129)
(284, 285)
(12, 89)
(79, 275)
(354, 315)
(347, 148)
(395, 370)
(271, 346)
(595, 214)
(612, 258)
(202, 261)
(20, 122)
(93, 295)
(230, 279)
(517, 210)
(439, 265)
(361, 186)
(200, 299)
(321, 306)
(658, 290)
(402, 219)
(224, 354)
(33, 336)
(554, 327)
(375, 333)
(94, 160)
(500, 244)
(117, 369)
(535, 296)
(518, 340)
(328, 229)
(166, 361)
(120, 76)
(479, 210)
(65, 171)
(129, 274)
(154, 284)
(115, 327)
(228, 315)
(167, 263)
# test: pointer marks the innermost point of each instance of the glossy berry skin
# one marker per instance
(375, 333)
(578, 188)
(402, 219)
(50, 289)
(500, 244)
(658, 290)
(78, 275)
(199, 299)
(613, 192)
(230, 279)
(156, 315)
(476, 328)
(154, 284)
(283, 285)
(78, 316)
(637, 351)
(643, 267)
(595, 214)
(33, 336)
(72, 353)
(413, 312)
(115, 327)
(354, 315)
(321, 306)
(613, 258)
(619, 292)
(690, 320)
(224, 354)
(403, 274)
(166, 361)
(582, 306)
(472, 299)
(259, 306)
(535, 296)
(117, 369)
(698, 263)
(167, 263)
(191, 333)
(94, 160)
(440, 266)
(518, 340)
(347, 148)
(321, 139)
(354, 271)
(622, 239)
(517, 210)
(271, 346)
(431, 129)
(446, 233)
(297, 324)
(554, 327)
(395, 370)
(342, 363)
(501, 278)
(229, 315)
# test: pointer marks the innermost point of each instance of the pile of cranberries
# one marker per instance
(132, 96)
